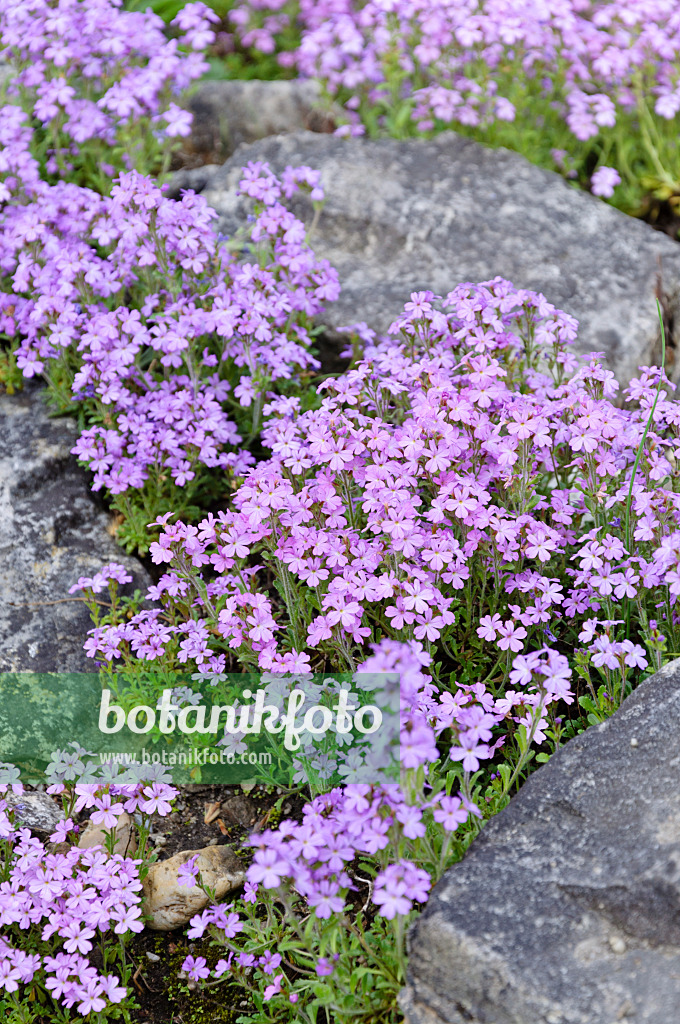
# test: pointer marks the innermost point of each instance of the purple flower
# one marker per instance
(267, 869)
(324, 967)
(273, 989)
(187, 873)
(450, 813)
(196, 968)
(604, 181)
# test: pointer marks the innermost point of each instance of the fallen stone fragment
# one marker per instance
(170, 905)
(230, 113)
(566, 909)
(52, 531)
(125, 840)
(401, 216)
(239, 810)
(35, 810)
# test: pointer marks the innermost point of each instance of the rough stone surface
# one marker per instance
(170, 905)
(51, 532)
(566, 909)
(96, 835)
(407, 215)
(36, 810)
(230, 113)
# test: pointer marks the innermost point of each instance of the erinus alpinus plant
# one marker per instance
(469, 511)
(163, 338)
(101, 83)
(462, 485)
(67, 914)
(456, 510)
(573, 85)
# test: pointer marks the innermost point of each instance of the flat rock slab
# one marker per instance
(230, 113)
(407, 215)
(52, 531)
(566, 909)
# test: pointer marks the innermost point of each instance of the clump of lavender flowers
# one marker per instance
(130, 305)
(59, 904)
(452, 512)
(574, 77)
(100, 83)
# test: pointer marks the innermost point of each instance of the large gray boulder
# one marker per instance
(52, 531)
(566, 909)
(229, 113)
(407, 215)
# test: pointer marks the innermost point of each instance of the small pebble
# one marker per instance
(617, 944)
(212, 842)
(153, 957)
(633, 742)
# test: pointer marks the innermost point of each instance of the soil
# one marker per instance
(206, 815)
(663, 216)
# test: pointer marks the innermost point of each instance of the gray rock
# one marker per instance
(407, 215)
(35, 810)
(566, 909)
(194, 178)
(230, 113)
(51, 532)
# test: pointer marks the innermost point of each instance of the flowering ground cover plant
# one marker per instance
(163, 337)
(61, 905)
(100, 83)
(590, 88)
(468, 509)
(466, 439)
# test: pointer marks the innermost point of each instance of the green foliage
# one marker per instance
(169, 9)
(11, 377)
(231, 60)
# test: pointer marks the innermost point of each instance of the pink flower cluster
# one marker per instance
(87, 69)
(372, 507)
(463, 479)
(69, 901)
(315, 859)
(592, 55)
(159, 325)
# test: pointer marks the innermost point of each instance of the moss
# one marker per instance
(218, 1005)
